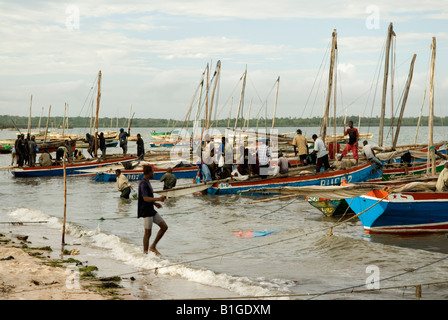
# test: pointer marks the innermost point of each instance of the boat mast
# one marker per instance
(216, 77)
(241, 100)
(431, 107)
(405, 98)
(98, 97)
(29, 116)
(48, 120)
(330, 84)
(275, 105)
(390, 33)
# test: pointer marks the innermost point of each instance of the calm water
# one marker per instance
(299, 258)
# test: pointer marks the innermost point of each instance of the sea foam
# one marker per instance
(132, 255)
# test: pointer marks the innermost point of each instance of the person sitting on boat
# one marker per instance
(321, 154)
(352, 144)
(263, 154)
(45, 159)
(442, 181)
(169, 179)
(79, 155)
(368, 151)
(123, 184)
(283, 163)
(123, 138)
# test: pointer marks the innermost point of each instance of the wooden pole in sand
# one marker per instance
(431, 106)
(65, 199)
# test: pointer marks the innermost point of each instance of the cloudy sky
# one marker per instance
(152, 55)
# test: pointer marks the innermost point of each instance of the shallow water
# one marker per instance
(299, 260)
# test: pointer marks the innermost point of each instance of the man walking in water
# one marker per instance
(352, 144)
(146, 203)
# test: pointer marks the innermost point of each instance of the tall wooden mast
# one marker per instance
(390, 33)
(334, 47)
(431, 107)
(98, 97)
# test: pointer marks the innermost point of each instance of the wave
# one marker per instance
(132, 255)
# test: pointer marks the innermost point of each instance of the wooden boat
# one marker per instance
(51, 145)
(136, 174)
(75, 168)
(330, 207)
(158, 144)
(356, 174)
(402, 212)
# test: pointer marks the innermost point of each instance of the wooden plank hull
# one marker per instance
(74, 169)
(407, 212)
(356, 174)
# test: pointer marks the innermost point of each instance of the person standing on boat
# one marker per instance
(32, 145)
(140, 147)
(146, 203)
(300, 147)
(91, 141)
(123, 138)
(102, 145)
(264, 155)
(169, 179)
(123, 184)
(352, 144)
(321, 154)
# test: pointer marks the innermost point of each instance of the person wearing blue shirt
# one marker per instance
(123, 138)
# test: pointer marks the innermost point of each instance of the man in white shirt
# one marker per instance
(264, 155)
(370, 154)
(321, 154)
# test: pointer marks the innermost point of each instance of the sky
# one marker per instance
(153, 54)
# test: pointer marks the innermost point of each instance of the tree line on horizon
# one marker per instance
(8, 121)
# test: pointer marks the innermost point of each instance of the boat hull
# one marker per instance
(411, 212)
(73, 169)
(356, 174)
(137, 175)
(330, 207)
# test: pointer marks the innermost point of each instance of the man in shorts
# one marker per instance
(146, 203)
(352, 144)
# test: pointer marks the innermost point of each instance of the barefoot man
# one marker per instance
(146, 203)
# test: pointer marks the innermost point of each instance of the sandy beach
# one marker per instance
(31, 269)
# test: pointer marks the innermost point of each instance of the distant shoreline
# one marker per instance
(8, 122)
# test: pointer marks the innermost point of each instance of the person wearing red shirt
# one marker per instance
(352, 144)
